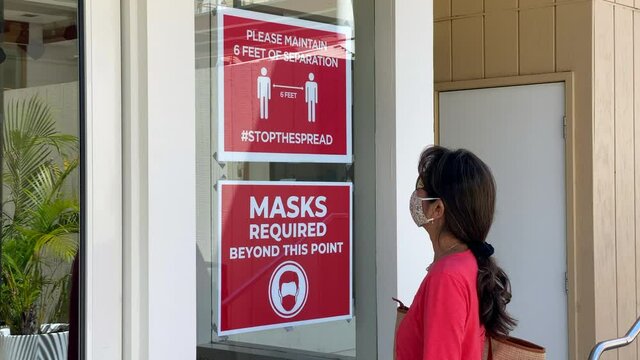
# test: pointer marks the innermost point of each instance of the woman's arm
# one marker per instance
(446, 310)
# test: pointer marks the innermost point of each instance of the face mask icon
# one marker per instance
(288, 289)
(289, 294)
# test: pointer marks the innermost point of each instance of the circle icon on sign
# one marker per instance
(288, 289)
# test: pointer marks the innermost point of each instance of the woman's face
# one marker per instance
(418, 205)
(432, 207)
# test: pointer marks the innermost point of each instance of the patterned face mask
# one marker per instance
(415, 206)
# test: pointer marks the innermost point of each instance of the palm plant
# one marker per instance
(40, 217)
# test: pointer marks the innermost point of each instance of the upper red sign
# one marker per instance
(284, 254)
(284, 89)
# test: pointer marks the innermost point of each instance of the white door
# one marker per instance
(518, 132)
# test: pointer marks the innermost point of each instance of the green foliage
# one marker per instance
(40, 219)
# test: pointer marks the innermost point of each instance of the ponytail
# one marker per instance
(494, 293)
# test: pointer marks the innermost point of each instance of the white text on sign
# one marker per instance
(296, 206)
(287, 40)
(287, 208)
(288, 94)
(270, 251)
(255, 52)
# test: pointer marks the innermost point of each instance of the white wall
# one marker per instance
(404, 126)
(170, 136)
(414, 131)
(160, 180)
(103, 183)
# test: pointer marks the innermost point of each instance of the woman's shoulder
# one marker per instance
(460, 266)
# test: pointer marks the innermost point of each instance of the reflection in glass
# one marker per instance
(40, 179)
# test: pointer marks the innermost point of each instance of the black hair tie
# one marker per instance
(481, 249)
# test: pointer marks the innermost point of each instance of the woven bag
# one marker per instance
(511, 348)
(508, 348)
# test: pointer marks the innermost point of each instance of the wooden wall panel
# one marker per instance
(579, 36)
(441, 9)
(537, 41)
(607, 116)
(492, 5)
(501, 43)
(534, 3)
(574, 53)
(626, 2)
(467, 48)
(605, 281)
(442, 52)
(466, 7)
(624, 176)
(636, 82)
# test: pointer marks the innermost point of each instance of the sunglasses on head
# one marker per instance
(420, 186)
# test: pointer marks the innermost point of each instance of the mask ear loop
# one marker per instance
(430, 220)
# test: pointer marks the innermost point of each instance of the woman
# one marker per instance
(464, 295)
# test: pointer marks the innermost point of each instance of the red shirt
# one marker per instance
(443, 323)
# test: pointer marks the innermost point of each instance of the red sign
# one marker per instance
(285, 254)
(284, 89)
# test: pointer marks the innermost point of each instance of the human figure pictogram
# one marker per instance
(311, 97)
(264, 93)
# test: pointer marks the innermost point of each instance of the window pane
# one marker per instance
(40, 179)
(294, 24)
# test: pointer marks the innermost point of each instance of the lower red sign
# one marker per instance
(284, 254)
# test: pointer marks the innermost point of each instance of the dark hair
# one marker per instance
(466, 187)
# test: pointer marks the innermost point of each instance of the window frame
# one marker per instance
(101, 179)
